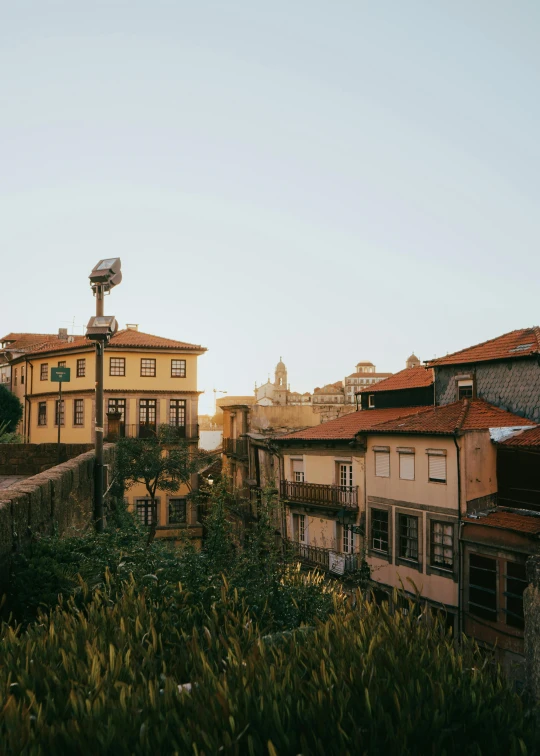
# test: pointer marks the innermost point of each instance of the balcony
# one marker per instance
(320, 495)
(235, 447)
(324, 559)
(149, 430)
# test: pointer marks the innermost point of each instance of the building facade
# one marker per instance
(148, 381)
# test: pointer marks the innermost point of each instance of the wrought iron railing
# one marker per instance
(323, 558)
(318, 494)
(149, 430)
(235, 447)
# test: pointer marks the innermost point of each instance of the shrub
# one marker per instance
(11, 410)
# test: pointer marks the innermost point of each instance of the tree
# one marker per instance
(11, 410)
(163, 462)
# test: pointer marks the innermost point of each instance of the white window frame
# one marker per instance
(405, 457)
(437, 454)
(371, 401)
(379, 460)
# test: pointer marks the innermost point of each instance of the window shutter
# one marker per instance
(437, 467)
(382, 464)
(406, 466)
(298, 465)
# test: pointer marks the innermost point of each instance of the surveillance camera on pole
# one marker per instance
(100, 329)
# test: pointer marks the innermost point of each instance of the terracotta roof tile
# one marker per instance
(416, 377)
(347, 427)
(527, 438)
(521, 523)
(369, 375)
(521, 343)
(127, 338)
(464, 415)
(24, 340)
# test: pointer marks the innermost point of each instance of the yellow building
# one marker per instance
(148, 381)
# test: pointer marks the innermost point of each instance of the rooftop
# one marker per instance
(502, 519)
(523, 439)
(415, 377)
(362, 374)
(127, 338)
(464, 415)
(521, 343)
(346, 428)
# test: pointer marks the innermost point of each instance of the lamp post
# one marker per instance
(105, 275)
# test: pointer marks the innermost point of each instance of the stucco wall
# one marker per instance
(512, 385)
(289, 416)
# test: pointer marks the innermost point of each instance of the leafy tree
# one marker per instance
(163, 462)
(11, 410)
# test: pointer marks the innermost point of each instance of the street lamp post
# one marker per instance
(105, 275)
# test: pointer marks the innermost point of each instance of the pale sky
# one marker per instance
(326, 181)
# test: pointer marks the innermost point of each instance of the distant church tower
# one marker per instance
(280, 384)
(413, 361)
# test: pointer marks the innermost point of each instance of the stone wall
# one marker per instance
(513, 385)
(57, 500)
(31, 459)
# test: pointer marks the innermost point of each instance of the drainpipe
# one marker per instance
(460, 549)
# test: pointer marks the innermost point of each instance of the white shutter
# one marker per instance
(406, 466)
(382, 464)
(298, 465)
(437, 467)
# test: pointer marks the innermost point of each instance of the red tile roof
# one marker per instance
(527, 438)
(416, 377)
(464, 415)
(522, 343)
(347, 427)
(521, 523)
(127, 338)
(24, 340)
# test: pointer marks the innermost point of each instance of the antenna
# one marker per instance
(74, 325)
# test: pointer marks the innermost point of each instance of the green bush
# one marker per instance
(101, 675)
(11, 410)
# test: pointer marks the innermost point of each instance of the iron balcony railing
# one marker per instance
(235, 447)
(324, 559)
(320, 495)
(149, 430)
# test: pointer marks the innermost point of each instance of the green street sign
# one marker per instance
(61, 374)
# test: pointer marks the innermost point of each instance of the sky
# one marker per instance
(328, 182)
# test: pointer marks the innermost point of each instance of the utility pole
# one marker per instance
(105, 275)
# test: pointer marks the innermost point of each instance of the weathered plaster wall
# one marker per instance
(31, 459)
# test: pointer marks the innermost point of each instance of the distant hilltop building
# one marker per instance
(278, 393)
(365, 375)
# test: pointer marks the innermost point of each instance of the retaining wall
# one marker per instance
(31, 459)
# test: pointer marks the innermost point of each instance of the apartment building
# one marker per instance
(364, 375)
(411, 387)
(149, 380)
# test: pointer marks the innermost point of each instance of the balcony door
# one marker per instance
(346, 483)
(119, 405)
(147, 418)
(177, 416)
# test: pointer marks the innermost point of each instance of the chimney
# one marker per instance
(63, 334)
(132, 326)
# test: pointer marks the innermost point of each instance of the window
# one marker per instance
(22, 376)
(144, 511)
(147, 417)
(436, 466)
(177, 511)
(483, 587)
(59, 412)
(465, 389)
(15, 377)
(371, 401)
(408, 537)
(348, 540)
(516, 582)
(78, 412)
(406, 464)
(345, 475)
(117, 366)
(379, 530)
(177, 412)
(148, 368)
(44, 371)
(81, 368)
(442, 545)
(61, 363)
(298, 470)
(382, 463)
(42, 413)
(178, 368)
(299, 528)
